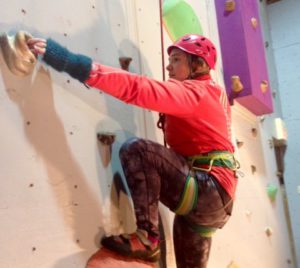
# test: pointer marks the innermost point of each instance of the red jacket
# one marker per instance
(197, 112)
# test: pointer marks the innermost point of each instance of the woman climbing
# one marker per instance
(195, 175)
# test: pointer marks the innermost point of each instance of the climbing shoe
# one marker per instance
(135, 245)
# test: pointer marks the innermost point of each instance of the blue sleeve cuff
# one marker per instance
(61, 59)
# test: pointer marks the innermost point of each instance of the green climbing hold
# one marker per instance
(179, 18)
(272, 191)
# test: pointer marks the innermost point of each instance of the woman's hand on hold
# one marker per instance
(37, 46)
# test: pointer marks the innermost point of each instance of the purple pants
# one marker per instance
(155, 173)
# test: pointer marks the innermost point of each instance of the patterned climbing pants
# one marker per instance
(155, 173)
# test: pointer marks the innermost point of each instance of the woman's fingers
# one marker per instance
(34, 40)
(38, 50)
(37, 45)
(40, 44)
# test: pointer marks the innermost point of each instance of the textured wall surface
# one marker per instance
(57, 196)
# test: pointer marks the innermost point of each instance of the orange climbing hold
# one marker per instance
(105, 258)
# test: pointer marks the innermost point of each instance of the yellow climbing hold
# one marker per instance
(264, 86)
(233, 265)
(236, 84)
(230, 5)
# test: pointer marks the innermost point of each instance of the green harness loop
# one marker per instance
(214, 158)
(189, 197)
(203, 231)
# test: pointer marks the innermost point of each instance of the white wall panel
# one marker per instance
(57, 198)
(243, 241)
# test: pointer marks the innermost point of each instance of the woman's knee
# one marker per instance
(132, 145)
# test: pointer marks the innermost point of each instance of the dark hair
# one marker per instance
(198, 61)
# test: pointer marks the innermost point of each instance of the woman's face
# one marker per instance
(178, 66)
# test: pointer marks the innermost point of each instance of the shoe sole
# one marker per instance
(153, 256)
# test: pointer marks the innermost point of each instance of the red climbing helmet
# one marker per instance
(197, 45)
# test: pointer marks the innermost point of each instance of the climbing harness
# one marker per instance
(204, 231)
(214, 158)
(189, 196)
